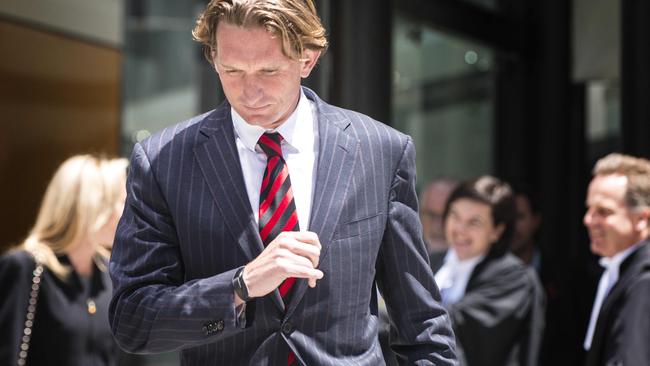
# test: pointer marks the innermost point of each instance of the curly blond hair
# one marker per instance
(294, 21)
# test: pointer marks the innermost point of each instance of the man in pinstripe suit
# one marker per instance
(208, 262)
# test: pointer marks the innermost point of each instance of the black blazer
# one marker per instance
(622, 334)
(500, 319)
(64, 332)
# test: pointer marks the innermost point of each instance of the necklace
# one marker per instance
(92, 307)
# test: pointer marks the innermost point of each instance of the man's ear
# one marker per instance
(642, 220)
(308, 61)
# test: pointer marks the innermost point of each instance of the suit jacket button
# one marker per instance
(205, 330)
(287, 328)
(220, 325)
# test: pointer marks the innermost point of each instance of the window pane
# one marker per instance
(603, 118)
(443, 97)
(161, 66)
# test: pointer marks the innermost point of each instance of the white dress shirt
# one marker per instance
(299, 149)
(453, 276)
(608, 279)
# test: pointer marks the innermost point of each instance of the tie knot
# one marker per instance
(270, 143)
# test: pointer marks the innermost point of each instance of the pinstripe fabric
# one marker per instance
(187, 226)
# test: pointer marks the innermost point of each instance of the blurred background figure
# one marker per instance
(55, 288)
(432, 206)
(495, 301)
(617, 219)
(527, 222)
(114, 176)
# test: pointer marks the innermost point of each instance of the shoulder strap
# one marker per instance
(31, 312)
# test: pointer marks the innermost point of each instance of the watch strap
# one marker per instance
(240, 286)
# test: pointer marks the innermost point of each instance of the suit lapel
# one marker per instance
(630, 268)
(219, 161)
(336, 159)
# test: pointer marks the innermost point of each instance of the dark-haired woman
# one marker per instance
(494, 300)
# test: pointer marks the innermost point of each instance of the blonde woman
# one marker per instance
(54, 287)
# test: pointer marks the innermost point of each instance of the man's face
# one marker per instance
(260, 82)
(526, 224)
(612, 226)
(432, 209)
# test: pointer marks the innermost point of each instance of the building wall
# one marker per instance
(59, 96)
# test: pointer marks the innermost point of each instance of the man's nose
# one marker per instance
(252, 89)
(588, 219)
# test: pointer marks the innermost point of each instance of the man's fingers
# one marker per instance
(307, 237)
(301, 248)
(290, 259)
(310, 274)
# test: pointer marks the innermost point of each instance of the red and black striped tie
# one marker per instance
(277, 208)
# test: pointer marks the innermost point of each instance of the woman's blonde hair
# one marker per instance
(114, 177)
(294, 21)
(78, 201)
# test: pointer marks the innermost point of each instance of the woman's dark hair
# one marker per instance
(499, 196)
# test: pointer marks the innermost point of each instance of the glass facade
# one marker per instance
(603, 119)
(162, 67)
(443, 96)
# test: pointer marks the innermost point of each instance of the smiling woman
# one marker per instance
(494, 300)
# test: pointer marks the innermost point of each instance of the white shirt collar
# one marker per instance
(289, 129)
(465, 265)
(614, 262)
(607, 280)
(453, 276)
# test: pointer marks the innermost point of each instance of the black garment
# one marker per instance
(500, 319)
(437, 259)
(64, 331)
(622, 334)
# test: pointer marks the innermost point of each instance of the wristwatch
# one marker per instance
(240, 286)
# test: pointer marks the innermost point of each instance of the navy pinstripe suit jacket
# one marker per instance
(188, 225)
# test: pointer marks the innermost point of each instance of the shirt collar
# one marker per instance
(466, 265)
(250, 134)
(614, 262)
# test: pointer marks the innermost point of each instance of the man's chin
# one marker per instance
(597, 248)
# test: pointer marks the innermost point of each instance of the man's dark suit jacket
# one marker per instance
(622, 333)
(188, 225)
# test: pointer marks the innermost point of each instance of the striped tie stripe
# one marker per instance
(277, 212)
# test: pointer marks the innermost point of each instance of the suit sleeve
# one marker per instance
(15, 286)
(420, 328)
(153, 308)
(632, 348)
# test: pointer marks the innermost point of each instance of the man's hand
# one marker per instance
(291, 254)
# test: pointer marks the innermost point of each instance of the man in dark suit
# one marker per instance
(257, 233)
(617, 218)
